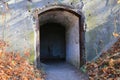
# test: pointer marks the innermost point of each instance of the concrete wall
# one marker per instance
(101, 18)
(16, 23)
(72, 42)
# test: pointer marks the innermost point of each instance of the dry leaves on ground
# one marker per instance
(107, 66)
(15, 67)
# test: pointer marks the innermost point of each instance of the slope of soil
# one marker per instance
(107, 66)
(16, 67)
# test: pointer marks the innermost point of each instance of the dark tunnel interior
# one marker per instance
(52, 42)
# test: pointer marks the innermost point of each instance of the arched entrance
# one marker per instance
(73, 22)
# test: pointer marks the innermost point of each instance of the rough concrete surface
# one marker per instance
(63, 71)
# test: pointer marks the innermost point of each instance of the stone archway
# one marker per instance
(75, 34)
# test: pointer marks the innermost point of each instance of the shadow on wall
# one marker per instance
(101, 36)
(98, 38)
(24, 4)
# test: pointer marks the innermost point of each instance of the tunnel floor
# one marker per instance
(63, 71)
(52, 39)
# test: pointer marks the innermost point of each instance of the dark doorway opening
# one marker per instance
(52, 42)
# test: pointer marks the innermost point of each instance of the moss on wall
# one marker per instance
(32, 56)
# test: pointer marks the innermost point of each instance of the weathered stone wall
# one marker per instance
(16, 23)
(100, 20)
